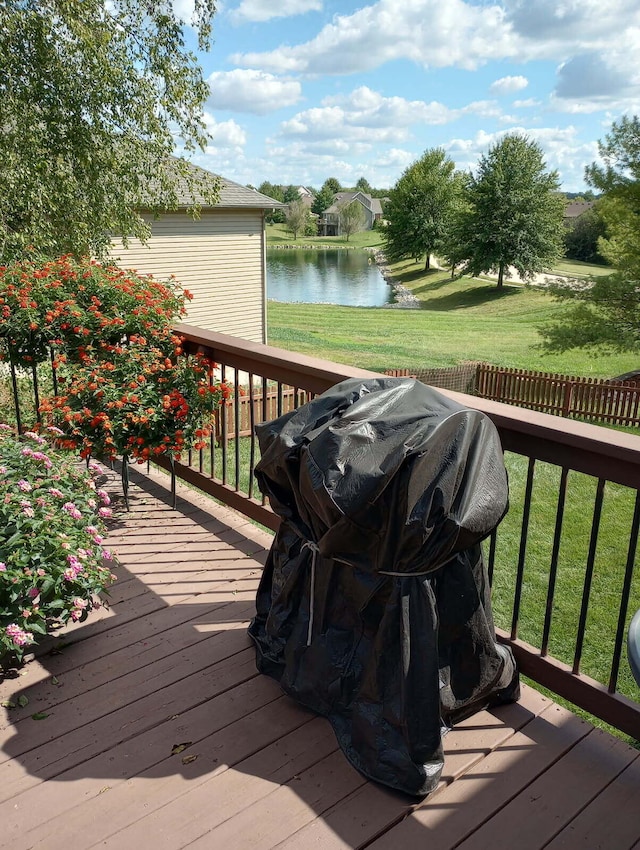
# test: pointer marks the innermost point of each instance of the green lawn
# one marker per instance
(576, 268)
(277, 234)
(459, 320)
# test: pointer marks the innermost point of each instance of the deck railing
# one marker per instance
(562, 563)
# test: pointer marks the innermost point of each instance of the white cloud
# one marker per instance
(508, 85)
(530, 102)
(224, 134)
(563, 151)
(365, 115)
(265, 10)
(428, 32)
(248, 90)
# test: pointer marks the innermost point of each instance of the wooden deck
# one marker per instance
(159, 733)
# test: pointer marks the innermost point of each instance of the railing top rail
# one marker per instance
(603, 452)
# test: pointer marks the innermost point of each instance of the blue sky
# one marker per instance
(302, 90)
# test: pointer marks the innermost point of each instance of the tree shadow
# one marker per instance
(466, 298)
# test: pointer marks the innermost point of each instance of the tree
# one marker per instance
(296, 218)
(515, 212)
(419, 207)
(582, 236)
(332, 185)
(322, 201)
(352, 218)
(291, 194)
(363, 185)
(605, 311)
(92, 97)
(273, 190)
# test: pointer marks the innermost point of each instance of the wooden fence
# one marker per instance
(238, 416)
(562, 395)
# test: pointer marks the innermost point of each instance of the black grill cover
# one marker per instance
(373, 608)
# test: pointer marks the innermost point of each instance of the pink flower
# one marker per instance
(3, 567)
(104, 496)
(105, 512)
(54, 430)
(92, 503)
(33, 592)
(106, 554)
(72, 510)
(29, 512)
(18, 635)
(25, 486)
(69, 574)
(55, 492)
(79, 603)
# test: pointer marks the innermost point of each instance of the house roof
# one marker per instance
(576, 208)
(232, 195)
(372, 204)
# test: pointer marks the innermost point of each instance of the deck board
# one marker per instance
(169, 663)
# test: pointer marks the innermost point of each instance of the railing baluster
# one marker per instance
(591, 558)
(526, 511)
(279, 403)
(252, 423)
(223, 435)
(553, 570)
(237, 426)
(263, 498)
(626, 591)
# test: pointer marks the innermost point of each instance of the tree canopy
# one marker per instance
(514, 214)
(605, 311)
(92, 98)
(296, 217)
(352, 218)
(419, 207)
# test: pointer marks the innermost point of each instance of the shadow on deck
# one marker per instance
(160, 733)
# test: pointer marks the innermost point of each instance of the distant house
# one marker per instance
(219, 258)
(574, 209)
(306, 196)
(329, 224)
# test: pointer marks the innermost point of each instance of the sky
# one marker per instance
(303, 90)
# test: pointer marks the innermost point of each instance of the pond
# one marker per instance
(346, 277)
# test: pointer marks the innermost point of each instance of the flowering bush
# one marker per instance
(52, 561)
(69, 303)
(131, 400)
(124, 389)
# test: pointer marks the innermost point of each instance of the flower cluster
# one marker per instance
(133, 400)
(67, 303)
(52, 559)
(123, 386)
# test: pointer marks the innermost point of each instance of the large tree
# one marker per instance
(322, 201)
(93, 96)
(296, 218)
(514, 215)
(419, 207)
(605, 311)
(352, 218)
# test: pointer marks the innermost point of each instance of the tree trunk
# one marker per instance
(500, 275)
(427, 265)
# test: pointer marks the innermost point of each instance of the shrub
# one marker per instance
(52, 561)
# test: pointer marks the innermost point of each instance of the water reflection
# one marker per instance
(345, 277)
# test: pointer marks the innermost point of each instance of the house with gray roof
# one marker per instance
(329, 224)
(219, 256)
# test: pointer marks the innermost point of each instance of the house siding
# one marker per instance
(219, 258)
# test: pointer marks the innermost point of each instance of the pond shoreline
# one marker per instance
(404, 298)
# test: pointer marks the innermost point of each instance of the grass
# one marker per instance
(458, 320)
(576, 268)
(277, 234)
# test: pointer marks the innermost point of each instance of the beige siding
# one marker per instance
(218, 258)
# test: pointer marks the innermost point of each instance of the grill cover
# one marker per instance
(373, 609)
